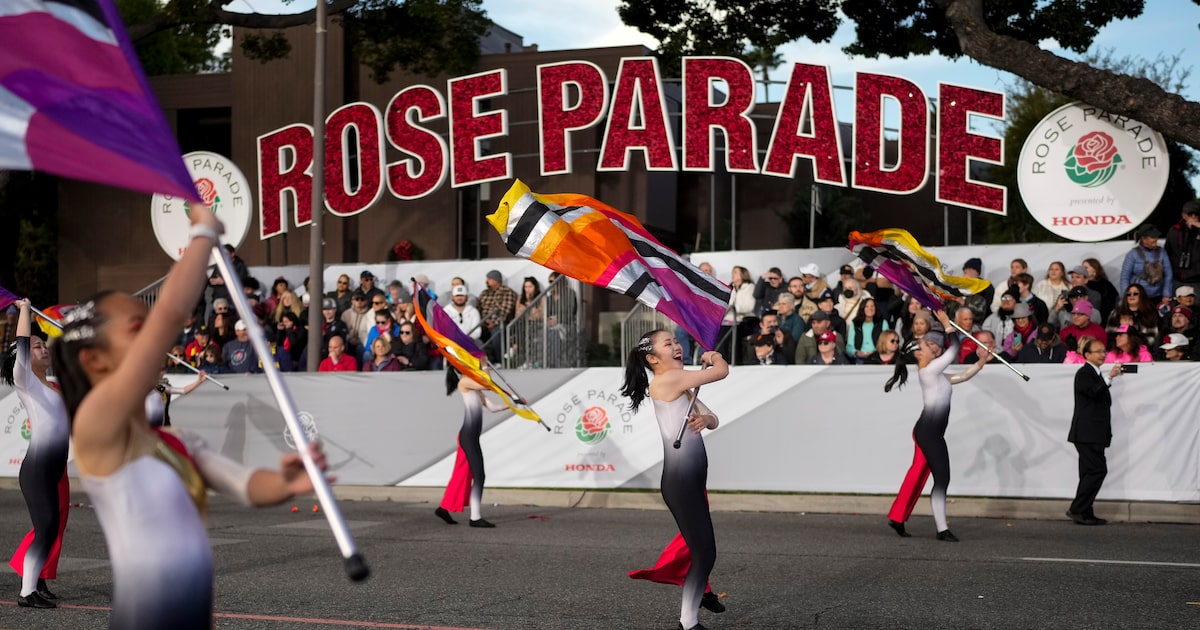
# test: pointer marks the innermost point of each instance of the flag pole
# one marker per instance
(193, 369)
(356, 566)
(512, 393)
(980, 344)
(688, 413)
(53, 322)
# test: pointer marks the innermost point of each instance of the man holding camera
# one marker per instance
(1091, 429)
(1183, 245)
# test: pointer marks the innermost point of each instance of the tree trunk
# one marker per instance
(1133, 97)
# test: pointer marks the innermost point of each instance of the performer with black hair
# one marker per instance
(931, 453)
(149, 486)
(158, 403)
(466, 482)
(685, 469)
(43, 473)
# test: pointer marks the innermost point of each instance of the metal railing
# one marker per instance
(641, 319)
(149, 293)
(549, 332)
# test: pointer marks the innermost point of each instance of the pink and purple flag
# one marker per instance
(6, 298)
(74, 101)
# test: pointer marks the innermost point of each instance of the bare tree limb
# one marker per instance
(215, 14)
(1137, 98)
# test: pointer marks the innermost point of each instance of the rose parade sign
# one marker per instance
(222, 186)
(636, 129)
(1088, 175)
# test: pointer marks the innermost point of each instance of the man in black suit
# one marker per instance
(1091, 430)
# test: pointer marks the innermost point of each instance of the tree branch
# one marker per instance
(215, 14)
(1135, 97)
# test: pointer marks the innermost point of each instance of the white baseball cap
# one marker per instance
(1174, 340)
(811, 269)
(240, 325)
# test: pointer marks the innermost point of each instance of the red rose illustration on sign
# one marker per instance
(595, 420)
(207, 190)
(1095, 151)
(592, 427)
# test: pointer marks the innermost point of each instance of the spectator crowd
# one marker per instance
(1147, 314)
(366, 326)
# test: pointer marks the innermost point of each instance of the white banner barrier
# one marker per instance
(796, 429)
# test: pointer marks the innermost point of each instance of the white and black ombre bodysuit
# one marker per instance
(684, 478)
(152, 512)
(44, 467)
(931, 454)
(465, 487)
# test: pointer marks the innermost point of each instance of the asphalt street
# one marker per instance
(549, 568)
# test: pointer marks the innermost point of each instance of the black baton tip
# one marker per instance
(356, 568)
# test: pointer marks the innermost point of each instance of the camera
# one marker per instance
(1129, 368)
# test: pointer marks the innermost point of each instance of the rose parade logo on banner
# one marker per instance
(1088, 175)
(14, 440)
(222, 186)
(592, 427)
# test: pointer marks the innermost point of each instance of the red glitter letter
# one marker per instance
(468, 127)
(957, 146)
(556, 118)
(366, 122)
(637, 97)
(280, 175)
(809, 92)
(424, 172)
(912, 165)
(701, 114)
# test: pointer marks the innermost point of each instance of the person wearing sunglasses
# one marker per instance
(1147, 264)
(359, 319)
(767, 289)
(385, 328)
(410, 349)
(462, 313)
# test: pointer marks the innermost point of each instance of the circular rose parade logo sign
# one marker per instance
(1088, 175)
(26, 429)
(220, 185)
(593, 425)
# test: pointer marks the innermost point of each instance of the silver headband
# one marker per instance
(77, 324)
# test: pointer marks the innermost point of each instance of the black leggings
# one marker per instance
(685, 475)
(40, 475)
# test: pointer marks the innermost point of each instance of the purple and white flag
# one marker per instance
(74, 101)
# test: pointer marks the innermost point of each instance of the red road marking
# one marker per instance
(307, 620)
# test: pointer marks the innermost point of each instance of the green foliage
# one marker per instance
(186, 49)
(28, 238)
(841, 211)
(425, 36)
(37, 261)
(728, 27)
(266, 47)
(899, 28)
